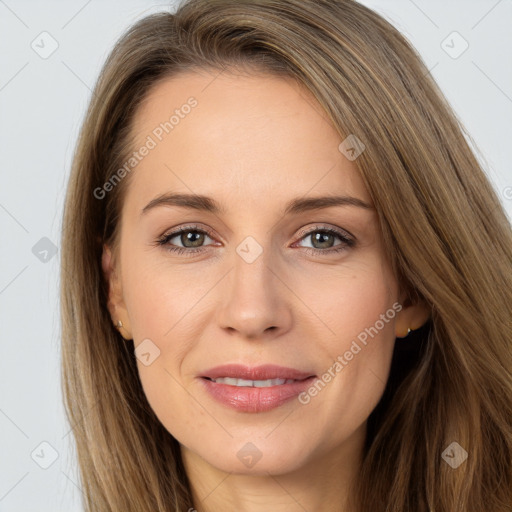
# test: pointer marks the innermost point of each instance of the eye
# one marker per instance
(191, 238)
(323, 240)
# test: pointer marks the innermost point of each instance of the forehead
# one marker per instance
(259, 135)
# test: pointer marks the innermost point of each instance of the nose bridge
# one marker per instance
(252, 273)
(253, 299)
(252, 267)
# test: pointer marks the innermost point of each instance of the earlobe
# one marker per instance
(115, 302)
(411, 318)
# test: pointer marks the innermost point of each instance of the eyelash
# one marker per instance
(346, 241)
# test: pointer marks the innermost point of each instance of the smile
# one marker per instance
(231, 381)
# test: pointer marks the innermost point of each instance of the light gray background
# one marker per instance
(42, 103)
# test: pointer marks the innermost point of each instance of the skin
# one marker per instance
(253, 143)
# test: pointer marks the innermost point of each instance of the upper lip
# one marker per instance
(264, 372)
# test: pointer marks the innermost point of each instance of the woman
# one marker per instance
(211, 361)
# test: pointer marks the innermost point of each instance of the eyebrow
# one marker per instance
(295, 206)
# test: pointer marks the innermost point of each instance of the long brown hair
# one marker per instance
(445, 230)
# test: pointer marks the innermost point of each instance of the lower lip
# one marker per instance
(252, 399)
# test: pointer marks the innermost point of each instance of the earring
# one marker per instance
(403, 337)
(119, 324)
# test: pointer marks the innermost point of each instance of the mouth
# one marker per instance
(256, 389)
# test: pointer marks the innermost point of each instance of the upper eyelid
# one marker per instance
(317, 227)
(180, 230)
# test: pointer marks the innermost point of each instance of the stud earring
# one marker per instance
(119, 324)
(405, 336)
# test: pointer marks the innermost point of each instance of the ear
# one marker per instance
(413, 315)
(115, 303)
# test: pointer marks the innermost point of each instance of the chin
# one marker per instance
(252, 456)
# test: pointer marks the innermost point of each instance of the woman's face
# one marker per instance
(255, 279)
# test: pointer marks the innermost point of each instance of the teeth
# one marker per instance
(252, 383)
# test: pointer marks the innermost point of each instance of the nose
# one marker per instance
(255, 299)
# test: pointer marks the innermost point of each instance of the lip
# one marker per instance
(264, 372)
(254, 399)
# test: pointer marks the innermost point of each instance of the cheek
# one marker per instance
(358, 347)
(349, 300)
(161, 296)
(163, 303)
(160, 308)
(366, 323)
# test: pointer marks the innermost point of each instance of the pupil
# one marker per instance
(194, 237)
(323, 238)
